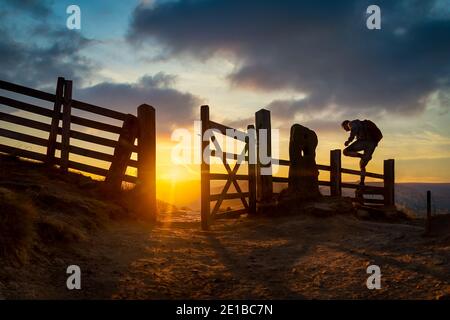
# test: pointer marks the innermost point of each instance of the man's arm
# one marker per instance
(353, 132)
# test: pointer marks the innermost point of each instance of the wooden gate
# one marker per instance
(248, 199)
(46, 121)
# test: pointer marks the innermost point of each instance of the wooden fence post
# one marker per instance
(51, 147)
(147, 158)
(65, 135)
(250, 140)
(335, 173)
(205, 167)
(264, 182)
(389, 182)
(122, 153)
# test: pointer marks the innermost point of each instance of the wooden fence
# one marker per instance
(336, 185)
(141, 128)
(260, 185)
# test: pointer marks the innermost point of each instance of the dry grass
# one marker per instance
(17, 216)
(41, 208)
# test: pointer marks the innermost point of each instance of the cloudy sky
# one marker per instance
(310, 62)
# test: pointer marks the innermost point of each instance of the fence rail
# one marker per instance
(141, 128)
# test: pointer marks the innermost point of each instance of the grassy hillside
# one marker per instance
(40, 208)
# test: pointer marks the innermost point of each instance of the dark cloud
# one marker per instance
(35, 52)
(320, 48)
(37, 8)
(174, 108)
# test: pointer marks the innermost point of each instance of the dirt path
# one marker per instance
(292, 258)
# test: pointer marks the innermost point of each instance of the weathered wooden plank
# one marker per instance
(225, 176)
(27, 91)
(89, 153)
(98, 110)
(51, 147)
(91, 138)
(366, 189)
(368, 174)
(225, 130)
(228, 196)
(24, 122)
(26, 107)
(23, 137)
(227, 155)
(95, 170)
(96, 124)
(122, 153)
(73, 133)
(22, 153)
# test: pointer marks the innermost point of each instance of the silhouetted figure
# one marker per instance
(367, 137)
(303, 172)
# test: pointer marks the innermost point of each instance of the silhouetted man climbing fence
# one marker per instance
(367, 137)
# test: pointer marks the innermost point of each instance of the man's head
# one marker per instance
(346, 125)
